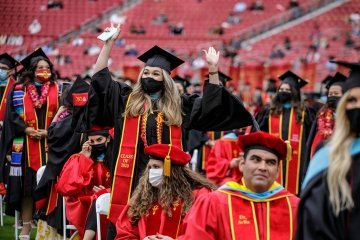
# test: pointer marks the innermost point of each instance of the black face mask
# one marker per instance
(97, 150)
(333, 101)
(150, 85)
(284, 97)
(354, 115)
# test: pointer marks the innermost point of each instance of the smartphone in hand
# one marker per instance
(107, 35)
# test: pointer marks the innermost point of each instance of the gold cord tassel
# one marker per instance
(167, 166)
(288, 150)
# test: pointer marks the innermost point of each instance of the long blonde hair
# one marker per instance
(169, 102)
(340, 160)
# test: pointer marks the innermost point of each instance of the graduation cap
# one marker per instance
(158, 57)
(27, 60)
(353, 80)
(262, 140)
(182, 81)
(338, 79)
(169, 154)
(293, 79)
(8, 60)
(222, 77)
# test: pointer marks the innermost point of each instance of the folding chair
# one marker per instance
(102, 206)
(67, 226)
(1, 210)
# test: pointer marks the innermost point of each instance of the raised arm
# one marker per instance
(212, 58)
(102, 61)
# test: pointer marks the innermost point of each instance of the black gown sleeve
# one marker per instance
(63, 141)
(13, 126)
(111, 97)
(196, 140)
(218, 110)
(262, 119)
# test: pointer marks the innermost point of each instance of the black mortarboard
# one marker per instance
(37, 53)
(338, 79)
(8, 60)
(182, 81)
(158, 57)
(327, 80)
(293, 79)
(353, 80)
(222, 77)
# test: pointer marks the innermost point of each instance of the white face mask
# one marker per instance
(156, 177)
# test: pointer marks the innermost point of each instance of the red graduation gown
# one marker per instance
(156, 222)
(77, 179)
(218, 163)
(210, 218)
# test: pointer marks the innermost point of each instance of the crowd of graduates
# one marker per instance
(177, 165)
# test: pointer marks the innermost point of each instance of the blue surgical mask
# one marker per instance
(3, 75)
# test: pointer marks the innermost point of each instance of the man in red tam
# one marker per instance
(257, 206)
(165, 193)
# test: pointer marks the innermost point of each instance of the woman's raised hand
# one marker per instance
(118, 29)
(212, 56)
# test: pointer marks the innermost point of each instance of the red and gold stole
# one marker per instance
(8, 87)
(125, 163)
(34, 157)
(274, 222)
(289, 179)
(158, 222)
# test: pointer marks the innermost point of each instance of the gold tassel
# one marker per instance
(288, 150)
(167, 166)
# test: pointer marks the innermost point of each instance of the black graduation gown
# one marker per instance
(263, 119)
(315, 216)
(14, 126)
(206, 113)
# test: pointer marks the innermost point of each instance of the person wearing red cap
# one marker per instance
(165, 193)
(256, 207)
(32, 105)
(154, 112)
(223, 162)
(84, 177)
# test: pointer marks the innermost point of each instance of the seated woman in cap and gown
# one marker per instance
(85, 176)
(290, 119)
(323, 126)
(330, 199)
(154, 112)
(64, 139)
(31, 106)
(166, 192)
